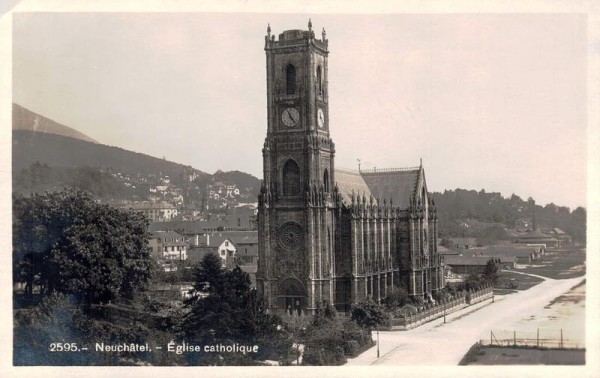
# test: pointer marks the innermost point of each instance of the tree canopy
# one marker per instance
(66, 242)
(224, 309)
(367, 313)
(492, 209)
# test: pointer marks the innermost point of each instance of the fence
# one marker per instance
(428, 313)
(545, 339)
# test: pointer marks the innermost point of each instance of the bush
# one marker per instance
(352, 331)
(417, 301)
(316, 356)
(329, 343)
(396, 298)
(313, 356)
(405, 311)
(368, 314)
(351, 348)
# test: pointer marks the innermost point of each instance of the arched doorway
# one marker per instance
(292, 296)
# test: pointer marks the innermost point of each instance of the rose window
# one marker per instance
(290, 236)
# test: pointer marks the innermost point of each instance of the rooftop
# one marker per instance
(466, 260)
(396, 184)
(349, 183)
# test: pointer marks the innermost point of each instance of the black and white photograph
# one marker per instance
(300, 189)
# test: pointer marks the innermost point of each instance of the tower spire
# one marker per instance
(269, 30)
(309, 25)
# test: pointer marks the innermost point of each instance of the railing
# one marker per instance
(548, 339)
(480, 295)
(430, 312)
(396, 169)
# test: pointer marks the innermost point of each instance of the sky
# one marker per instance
(488, 101)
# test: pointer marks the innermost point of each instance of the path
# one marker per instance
(436, 343)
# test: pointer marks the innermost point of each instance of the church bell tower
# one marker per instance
(297, 199)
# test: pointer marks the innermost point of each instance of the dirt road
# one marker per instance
(436, 343)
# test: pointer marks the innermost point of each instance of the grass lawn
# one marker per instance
(479, 355)
(559, 263)
(520, 281)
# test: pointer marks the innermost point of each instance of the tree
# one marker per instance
(367, 313)
(491, 271)
(66, 242)
(472, 282)
(224, 309)
(55, 320)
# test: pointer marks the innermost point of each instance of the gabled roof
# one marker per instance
(349, 182)
(216, 239)
(466, 260)
(241, 239)
(398, 185)
(536, 235)
(170, 238)
(507, 251)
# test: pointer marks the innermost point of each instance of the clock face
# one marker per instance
(290, 117)
(320, 118)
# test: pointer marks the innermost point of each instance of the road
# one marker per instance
(437, 343)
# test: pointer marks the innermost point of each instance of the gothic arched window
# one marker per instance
(290, 76)
(319, 81)
(326, 181)
(291, 178)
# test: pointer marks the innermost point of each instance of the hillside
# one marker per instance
(25, 119)
(63, 152)
(468, 213)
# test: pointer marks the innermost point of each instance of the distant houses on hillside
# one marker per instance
(155, 211)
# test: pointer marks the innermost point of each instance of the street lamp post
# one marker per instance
(377, 344)
(444, 313)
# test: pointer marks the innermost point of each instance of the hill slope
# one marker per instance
(60, 151)
(25, 119)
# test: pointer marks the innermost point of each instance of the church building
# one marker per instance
(330, 236)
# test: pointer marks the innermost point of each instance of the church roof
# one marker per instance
(349, 182)
(396, 184)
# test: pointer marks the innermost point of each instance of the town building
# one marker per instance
(246, 243)
(537, 237)
(562, 237)
(168, 247)
(241, 218)
(523, 254)
(216, 243)
(331, 236)
(155, 211)
(462, 266)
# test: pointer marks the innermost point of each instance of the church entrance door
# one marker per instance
(293, 297)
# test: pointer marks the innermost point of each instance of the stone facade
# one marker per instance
(323, 236)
